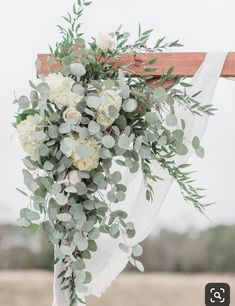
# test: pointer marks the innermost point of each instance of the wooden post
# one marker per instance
(185, 63)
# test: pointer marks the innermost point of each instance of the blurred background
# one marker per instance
(185, 250)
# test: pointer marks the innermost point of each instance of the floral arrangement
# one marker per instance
(78, 122)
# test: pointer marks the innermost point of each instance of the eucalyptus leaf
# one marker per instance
(80, 241)
(130, 105)
(115, 177)
(44, 90)
(43, 150)
(23, 222)
(78, 89)
(83, 132)
(92, 246)
(121, 122)
(108, 141)
(124, 247)
(181, 149)
(53, 131)
(162, 140)
(113, 230)
(195, 142)
(171, 120)
(93, 101)
(77, 69)
(64, 217)
(64, 128)
(200, 152)
(80, 278)
(23, 102)
(88, 277)
(123, 141)
(137, 250)
(145, 151)
(81, 188)
(66, 145)
(152, 118)
(160, 95)
(48, 166)
(61, 199)
(29, 181)
(94, 233)
(113, 111)
(93, 127)
(79, 264)
(32, 215)
(125, 91)
(139, 266)
(121, 196)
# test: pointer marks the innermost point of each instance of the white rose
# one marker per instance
(73, 177)
(109, 98)
(71, 112)
(105, 42)
(61, 90)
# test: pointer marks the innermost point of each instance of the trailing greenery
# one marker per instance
(80, 120)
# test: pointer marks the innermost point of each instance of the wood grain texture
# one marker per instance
(185, 63)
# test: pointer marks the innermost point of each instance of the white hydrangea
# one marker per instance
(29, 136)
(109, 98)
(89, 162)
(61, 90)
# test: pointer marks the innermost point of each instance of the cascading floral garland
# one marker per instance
(80, 120)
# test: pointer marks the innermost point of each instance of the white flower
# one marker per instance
(89, 161)
(71, 112)
(104, 114)
(105, 42)
(29, 136)
(73, 177)
(61, 90)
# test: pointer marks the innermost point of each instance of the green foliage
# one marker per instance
(210, 250)
(82, 120)
(22, 116)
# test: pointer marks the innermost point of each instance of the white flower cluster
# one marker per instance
(104, 112)
(61, 90)
(28, 135)
(90, 160)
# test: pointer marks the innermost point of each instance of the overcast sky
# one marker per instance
(27, 27)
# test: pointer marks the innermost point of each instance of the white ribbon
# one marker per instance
(108, 261)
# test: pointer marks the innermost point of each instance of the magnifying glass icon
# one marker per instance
(217, 295)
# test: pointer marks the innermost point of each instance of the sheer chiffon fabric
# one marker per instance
(108, 261)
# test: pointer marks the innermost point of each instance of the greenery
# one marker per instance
(209, 250)
(24, 251)
(80, 120)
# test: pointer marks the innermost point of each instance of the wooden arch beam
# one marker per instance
(185, 63)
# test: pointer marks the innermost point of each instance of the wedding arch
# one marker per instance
(185, 64)
(105, 120)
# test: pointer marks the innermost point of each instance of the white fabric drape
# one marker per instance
(108, 261)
